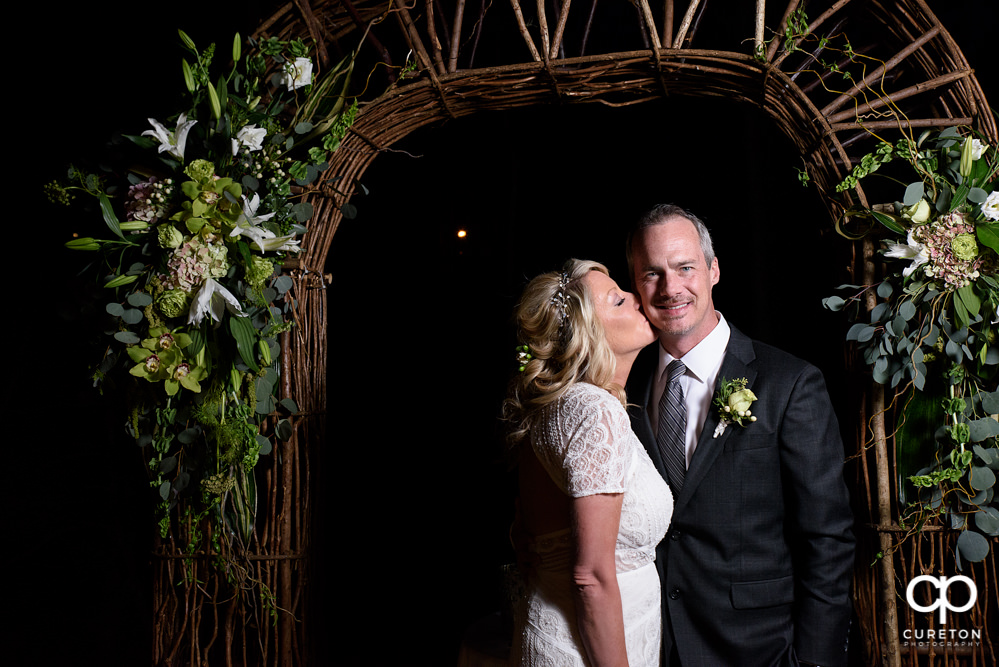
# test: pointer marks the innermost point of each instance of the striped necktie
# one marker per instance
(671, 436)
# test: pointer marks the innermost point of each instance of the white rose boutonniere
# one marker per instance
(733, 401)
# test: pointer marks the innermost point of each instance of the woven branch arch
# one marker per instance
(439, 60)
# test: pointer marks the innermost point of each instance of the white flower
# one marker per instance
(249, 136)
(297, 74)
(914, 250)
(977, 149)
(990, 209)
(248, 225)
(280, 244)
(172, 142)
(210, 299)
(722, 425)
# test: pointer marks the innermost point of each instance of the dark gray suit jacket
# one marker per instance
(757, 563)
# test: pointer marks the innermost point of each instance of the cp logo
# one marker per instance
(943, 601)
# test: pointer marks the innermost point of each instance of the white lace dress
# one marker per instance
(586, 445)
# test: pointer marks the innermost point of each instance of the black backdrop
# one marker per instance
(414, 517)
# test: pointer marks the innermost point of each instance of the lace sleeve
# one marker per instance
(581, 442)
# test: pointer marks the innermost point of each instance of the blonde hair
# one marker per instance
(567, 345)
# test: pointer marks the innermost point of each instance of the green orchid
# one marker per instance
(159, 358)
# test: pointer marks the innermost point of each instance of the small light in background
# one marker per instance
(462, 233)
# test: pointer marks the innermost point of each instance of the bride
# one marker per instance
(592, 506)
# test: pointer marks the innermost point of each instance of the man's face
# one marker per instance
(674, 283)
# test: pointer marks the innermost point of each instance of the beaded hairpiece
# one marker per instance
(561, 300)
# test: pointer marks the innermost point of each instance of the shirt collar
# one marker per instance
(705, 357)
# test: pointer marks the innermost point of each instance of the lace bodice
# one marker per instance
(585, 443)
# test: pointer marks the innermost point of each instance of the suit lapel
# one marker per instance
(738, 355)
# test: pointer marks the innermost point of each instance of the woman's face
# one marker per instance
(625, 326)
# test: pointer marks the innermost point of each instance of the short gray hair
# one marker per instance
(662, 214)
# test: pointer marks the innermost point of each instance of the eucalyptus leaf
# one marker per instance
(913, 193)
(127, 337)
(833, 303)
(283, 284)
(115, 309)
(982, 478)
(165, 490)
(284, 430)
(990, 402)
(139, 299)
(973, 546)
(188, 435)
(982, 429)
(987, 520)
(302, 211)
(265, 445)
(854, 332)
(289, 405)
(132, 316)
(977, 195)
(907, 310)
(349, 211)
(885, 289)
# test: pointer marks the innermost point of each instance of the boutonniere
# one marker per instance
(733, 401)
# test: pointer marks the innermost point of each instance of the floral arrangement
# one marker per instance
(934, 334)
(193, 270)
(733, 401)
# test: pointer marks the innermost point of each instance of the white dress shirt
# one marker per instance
(703, 363)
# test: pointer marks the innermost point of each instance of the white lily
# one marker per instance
(914, 250)
(171, 142)
(210, 299)
(248, 225)
(249, 222)
(250, 137)
(280, 244)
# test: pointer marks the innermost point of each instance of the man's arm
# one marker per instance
(820, 521)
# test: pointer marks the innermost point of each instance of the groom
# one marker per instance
(756, 566)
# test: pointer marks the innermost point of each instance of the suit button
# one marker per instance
(674, 594)
(674, 535)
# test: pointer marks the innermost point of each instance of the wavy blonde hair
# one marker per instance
(562, 352)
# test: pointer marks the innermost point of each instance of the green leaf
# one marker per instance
(139, 299)
(983, 429)
(966, 295)
(982, 478)
(977, 195)
(988, 234)
(913, 193)
(987, 520)
(245, 334)
(885, 220)
(990, 402)
(284, 430)
(973, 546)
(110, 219)
(919, 420)
(265, 445)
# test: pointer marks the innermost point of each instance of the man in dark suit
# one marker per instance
(757, 563)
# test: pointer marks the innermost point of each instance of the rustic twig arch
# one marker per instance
(664, 49)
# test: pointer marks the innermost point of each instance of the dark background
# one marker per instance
(415, 515)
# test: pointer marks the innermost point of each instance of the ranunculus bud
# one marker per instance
(964, 247)
(918, 213)
(741, 400)
(173, 303)
(169, 236)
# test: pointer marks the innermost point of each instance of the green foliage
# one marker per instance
(192, 271)
(933, 335)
